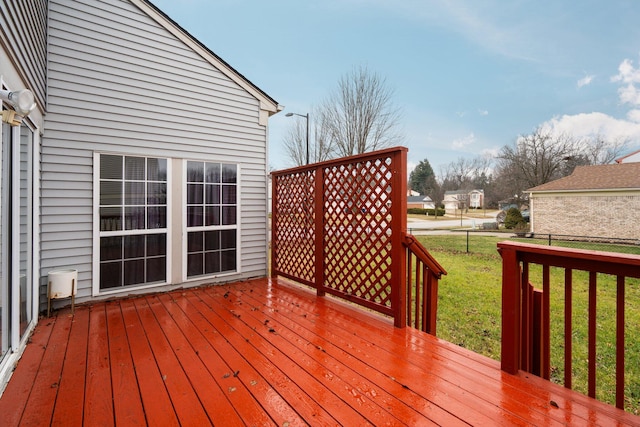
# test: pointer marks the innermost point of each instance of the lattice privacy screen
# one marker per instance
(337, 226)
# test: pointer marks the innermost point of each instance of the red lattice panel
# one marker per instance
(293, 216)
(357, 233)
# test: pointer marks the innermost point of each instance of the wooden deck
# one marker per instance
(265, 352)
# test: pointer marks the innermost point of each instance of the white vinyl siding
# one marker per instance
(120, 82)
(24, 28)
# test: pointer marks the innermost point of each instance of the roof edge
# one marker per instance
(267, 103)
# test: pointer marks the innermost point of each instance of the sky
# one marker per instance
(468, 76)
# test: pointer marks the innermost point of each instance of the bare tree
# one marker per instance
(600, 151)
(536, 158)
(295, 143)
(359, 116)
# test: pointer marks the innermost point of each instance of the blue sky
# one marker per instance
(469, 76)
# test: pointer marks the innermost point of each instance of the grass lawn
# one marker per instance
(469, 313)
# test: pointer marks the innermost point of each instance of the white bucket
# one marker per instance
(63, 283)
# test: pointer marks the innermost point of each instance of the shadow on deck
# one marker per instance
(265, 352)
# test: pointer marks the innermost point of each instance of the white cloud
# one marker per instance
(463, 142)
(629, 95)
(634, 116)
(629, 76)
(627, 73)
(585, 81)
(483, 112)
(595, 124)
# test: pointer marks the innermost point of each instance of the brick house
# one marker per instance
(599, 201)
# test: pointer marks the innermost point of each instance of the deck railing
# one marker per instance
(339, 226)
(526, 324)
(423, 273)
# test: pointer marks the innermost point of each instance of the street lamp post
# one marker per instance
(306, 116)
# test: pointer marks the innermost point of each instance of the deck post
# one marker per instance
(398, 252)
(319, 230)
(511, 309)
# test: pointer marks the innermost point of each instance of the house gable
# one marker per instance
(124, 81)
(268, 106)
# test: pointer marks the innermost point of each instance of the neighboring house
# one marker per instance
(143, 165)
(462, 199)
(420, 202)
(629, 158)
(600, 201)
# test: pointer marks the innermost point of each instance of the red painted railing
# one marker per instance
(423, 273)
(526, 324)
(339, 226)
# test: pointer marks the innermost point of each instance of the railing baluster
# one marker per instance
(546, 324)
(592, 335)
(568, 327)
(620, 342)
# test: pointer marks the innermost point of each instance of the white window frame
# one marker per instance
(186, 230)
(97, 234)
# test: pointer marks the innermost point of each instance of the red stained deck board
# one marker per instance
(153, 393)
(185, 400)
(14, 398)
(286, 402)
(363, 381)
(304, 359)
(71, 389)
(98, 402)
(42, 398)
(291, 358)
(126, 395)
(215, 399)
(343, 413)
(445, 395)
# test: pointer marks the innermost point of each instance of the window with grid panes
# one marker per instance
(133, 220)
(211, 214)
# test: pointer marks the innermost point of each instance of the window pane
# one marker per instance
(134, 272)
(229, 194)
(194, 216)
(110, 274)
(134, 246)
(212, 215)
(228, 239)
(194, 193)
(134, 218)
(134, 168)
(229, 173)
(110, 248)
(194, 264)
(195, 172)
(156, 193)
(156, 169)
(110, 219)
(156, 269)
(212, 262)
(110, 167)
(194, 241)
(212, 194)
(134, 193)
(156, 217)
(212, 240)
(228, 260)
(228, 215)
(110, 192)
(213, 172)
(156, 244)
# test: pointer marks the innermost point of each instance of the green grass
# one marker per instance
(469, 313)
